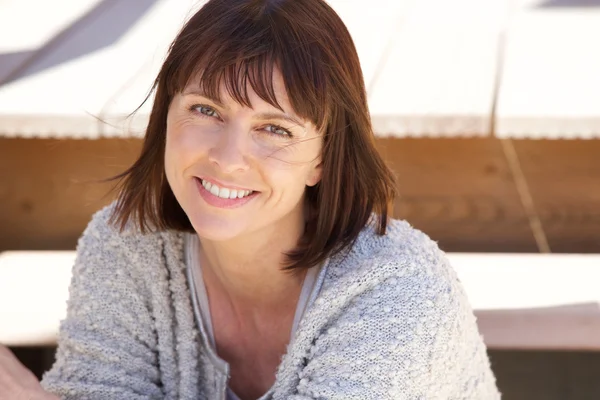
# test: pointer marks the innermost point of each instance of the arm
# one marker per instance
(106, 342)
(410, 337)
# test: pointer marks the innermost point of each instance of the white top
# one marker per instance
(192, 245)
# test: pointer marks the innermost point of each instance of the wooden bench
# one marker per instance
(522, 301)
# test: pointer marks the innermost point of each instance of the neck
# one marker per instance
(248, 270)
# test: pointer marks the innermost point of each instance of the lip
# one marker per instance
(222, 184)
(219, 202)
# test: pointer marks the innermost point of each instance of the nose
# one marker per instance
(229, 152)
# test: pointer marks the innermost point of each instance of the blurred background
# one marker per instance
(487, 110)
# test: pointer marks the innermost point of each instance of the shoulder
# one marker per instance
(101, 232)
(401, 243)
(393, 315)
(403, 254)
(400, 276)
(103, 246)
(101, 226)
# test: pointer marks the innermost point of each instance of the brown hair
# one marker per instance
(238, 43)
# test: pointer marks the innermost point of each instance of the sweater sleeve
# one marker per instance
(412, 336)
(106, 342)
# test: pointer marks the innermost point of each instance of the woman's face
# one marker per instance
(236, 170)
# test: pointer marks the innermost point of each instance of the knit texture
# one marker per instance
(391, 321)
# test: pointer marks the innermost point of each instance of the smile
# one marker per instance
(223, 192)
(223, 197)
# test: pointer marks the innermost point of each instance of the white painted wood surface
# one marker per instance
(73, 82)
(34, 288)
(439, 74)
(534, 301)
(27, 26)
(117, 110)
(430, 66)
(522, 301)
(550, 81)
(373, 27)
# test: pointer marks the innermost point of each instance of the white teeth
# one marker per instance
(225, 193)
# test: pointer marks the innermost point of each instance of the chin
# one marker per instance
(216, 228)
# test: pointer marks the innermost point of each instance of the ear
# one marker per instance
(315, 174)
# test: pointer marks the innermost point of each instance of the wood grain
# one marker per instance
(564, 180)
(460, 192)
(48, 188)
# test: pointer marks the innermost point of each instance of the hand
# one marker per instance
(17, 382)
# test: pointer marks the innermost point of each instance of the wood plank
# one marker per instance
(534, 301)
(563, 178)
(563, 312)
(460, 192)
(549, 86)
(21, 42)
(49, 188)
(439, 75)
(72, 82)
(33, 296)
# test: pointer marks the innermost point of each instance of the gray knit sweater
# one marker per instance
(391, 321)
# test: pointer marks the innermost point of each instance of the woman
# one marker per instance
(250, 253)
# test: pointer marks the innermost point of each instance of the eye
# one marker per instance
(205, 110)
(277, 130)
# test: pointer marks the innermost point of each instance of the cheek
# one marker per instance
(292, 165)
(287, 180)
(186, 143)
(291, 154)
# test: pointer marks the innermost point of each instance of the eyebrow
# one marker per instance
(261, 116)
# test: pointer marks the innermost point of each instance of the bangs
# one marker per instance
(242, 53)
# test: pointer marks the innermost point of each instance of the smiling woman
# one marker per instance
(273, 90)
(250, 253)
